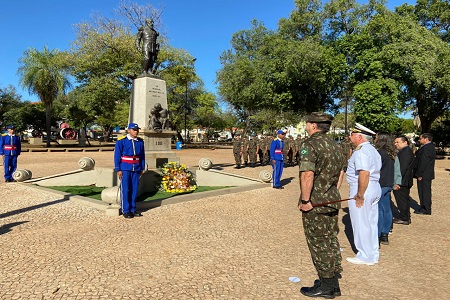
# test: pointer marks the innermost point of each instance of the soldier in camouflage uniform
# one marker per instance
(269, 140)
(262, 146)
(298, 146)
(320, 178)
(237, 151)
(346, 148)
(285, 151)
(245, 150)
(291, 153)
(252, 150)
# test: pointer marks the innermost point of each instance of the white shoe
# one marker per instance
(357, 261)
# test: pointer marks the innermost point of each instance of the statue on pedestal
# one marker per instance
(159, 118)
(146, 43)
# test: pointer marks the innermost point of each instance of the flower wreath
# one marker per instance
(176, 178)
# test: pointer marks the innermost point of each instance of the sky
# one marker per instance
(202, 27)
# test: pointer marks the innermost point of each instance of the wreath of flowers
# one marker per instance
(175, 178)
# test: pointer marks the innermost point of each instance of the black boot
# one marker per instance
(322, 288)
(237, 167)
(337, 288)
(384, 239)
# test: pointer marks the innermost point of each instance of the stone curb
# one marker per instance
(113, 210)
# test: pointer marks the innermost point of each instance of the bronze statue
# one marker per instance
(159, 118)
(147, 36)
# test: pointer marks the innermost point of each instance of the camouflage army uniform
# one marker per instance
(291, 153)
(262, 149)
(298, 146)
(245, 150)
(322, 155)
(269, 140)
(346, 146)
(237, 151)
(286, 151)
(252, 150)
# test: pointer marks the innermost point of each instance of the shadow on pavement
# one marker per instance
(348, 228)
(25, 209)
(7, 227)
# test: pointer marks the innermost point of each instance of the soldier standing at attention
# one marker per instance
(237, 151)
(129, 163)
(298, 146)
(321, 175)
(252, 150)
(10, 148)
(269, 140)
(245, 150)
(276, 158)
(262, 146)
(285, 151)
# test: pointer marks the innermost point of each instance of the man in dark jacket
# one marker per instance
(403, 179)
(424, 172)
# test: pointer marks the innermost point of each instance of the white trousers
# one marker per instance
(365, 222)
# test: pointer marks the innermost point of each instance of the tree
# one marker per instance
(398, 49)
(45, 74)
(9, 99)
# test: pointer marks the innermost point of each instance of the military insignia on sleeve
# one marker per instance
(304, 152)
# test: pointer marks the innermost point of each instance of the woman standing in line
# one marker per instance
(385, 146)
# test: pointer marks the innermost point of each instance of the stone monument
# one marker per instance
(148, 106)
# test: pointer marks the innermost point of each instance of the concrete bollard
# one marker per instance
(22, 175)
(86, 163)
(205, 164)
(265, 176)
(111, 195)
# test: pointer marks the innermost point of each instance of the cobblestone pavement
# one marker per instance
(238, 246)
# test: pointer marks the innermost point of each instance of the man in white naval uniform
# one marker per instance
(363, 174)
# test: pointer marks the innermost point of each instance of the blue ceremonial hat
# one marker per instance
(10, 127)
(133, 126)
(281, 132)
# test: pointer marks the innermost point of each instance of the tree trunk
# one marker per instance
(48, 123)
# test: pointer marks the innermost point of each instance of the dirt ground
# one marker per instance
(238, 246)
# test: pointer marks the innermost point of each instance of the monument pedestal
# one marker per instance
(158, 149)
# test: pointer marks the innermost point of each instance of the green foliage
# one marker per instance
(45, 74)
(27, 115)
(9, 99)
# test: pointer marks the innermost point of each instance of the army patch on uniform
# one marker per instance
(304, 152)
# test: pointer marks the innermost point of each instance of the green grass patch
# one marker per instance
(95, 192)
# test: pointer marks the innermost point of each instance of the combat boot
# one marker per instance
(337, 288)
(322, 288)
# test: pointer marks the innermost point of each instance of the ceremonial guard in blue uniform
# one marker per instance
(10, 148)
(129, 162)
(276, 158)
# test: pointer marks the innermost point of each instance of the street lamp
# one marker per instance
(186, 105)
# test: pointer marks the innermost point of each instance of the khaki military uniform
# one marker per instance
(322, 155)
(269, 140)
(285, 151)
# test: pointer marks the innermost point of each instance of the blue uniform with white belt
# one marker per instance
(10, 148)
(129, 157)
(276, 153)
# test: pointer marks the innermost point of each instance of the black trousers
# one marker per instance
(424, 189)
(403, 202)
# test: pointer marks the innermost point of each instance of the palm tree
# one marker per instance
(44, 74)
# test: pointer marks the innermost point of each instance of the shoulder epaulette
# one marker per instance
(358, 148)
(121, 137)
(4, 134)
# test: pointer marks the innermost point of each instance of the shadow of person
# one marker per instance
(348, 228)
(7, 227)
(285, 181)
(414, 204)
